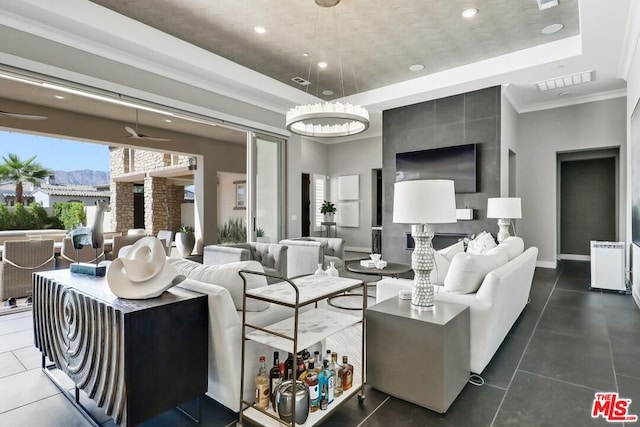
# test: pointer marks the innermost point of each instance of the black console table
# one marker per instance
(135, 358)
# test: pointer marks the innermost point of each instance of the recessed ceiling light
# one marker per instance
(327, 92)
(167, 120)
(58, 96)
(259, 29)
(305, 54)
(553, 28)
(469, 13)
(416, 67)
(563, 93)
(322, 64)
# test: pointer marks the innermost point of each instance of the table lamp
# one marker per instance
(420, 203)
(505, 209)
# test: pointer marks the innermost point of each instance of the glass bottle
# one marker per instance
(312, 381)
(288, 367)
(347, 373)
(337, 374)
(323, 399)
(301, 369)
(329, 382)
(262, 385)
(274, 377)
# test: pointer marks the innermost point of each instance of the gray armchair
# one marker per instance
(272, 256)
(306, 253)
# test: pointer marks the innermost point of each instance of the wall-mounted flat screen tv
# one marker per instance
(457, 163)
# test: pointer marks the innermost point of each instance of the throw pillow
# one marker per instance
(481, 244)
(440, 269)
(450, 251)
(467, 271)
(226, 275)
(513, 246)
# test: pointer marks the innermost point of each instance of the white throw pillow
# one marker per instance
(440, 269)
(481, 244)
(226, 275)
(513, 246)
(467, 271)
(450, 251)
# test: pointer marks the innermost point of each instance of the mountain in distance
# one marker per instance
(82, 177)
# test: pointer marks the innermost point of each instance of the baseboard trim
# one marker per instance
(547, 264)
(571, 257)
(357, 249)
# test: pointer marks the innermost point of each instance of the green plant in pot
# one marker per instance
(328, 209)
(185, 240)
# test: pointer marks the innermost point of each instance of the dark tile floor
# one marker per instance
(568, 344)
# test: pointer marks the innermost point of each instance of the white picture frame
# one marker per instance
(349, 187)
(348, 214)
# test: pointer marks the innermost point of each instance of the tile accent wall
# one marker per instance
(472, 117)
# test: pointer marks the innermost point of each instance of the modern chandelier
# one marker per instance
(328, 119)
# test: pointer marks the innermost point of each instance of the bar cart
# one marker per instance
(300, 331)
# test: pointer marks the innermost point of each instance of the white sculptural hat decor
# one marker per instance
(142, 272)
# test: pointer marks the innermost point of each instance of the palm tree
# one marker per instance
(17, 171)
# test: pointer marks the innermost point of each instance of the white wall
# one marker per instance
(351, 158)
(508, 141)
(227, 197)
(633, 96)
(541, 135)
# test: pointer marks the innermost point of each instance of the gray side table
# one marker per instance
(420, 357)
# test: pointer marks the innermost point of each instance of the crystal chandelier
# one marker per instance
(328, 119)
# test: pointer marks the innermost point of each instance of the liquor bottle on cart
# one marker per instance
(274, 378)
(337, 374)
(312, 381)
(347, 373)
(262, 385)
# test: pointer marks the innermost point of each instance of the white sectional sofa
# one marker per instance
(495, 306)
(224, 288)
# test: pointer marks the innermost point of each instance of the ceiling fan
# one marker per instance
(22, 116)
(137, 135)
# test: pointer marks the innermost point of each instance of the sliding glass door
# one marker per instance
(265, 181)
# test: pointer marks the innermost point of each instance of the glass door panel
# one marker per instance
(266, 188)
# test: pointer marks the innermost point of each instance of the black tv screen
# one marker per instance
(457, 163)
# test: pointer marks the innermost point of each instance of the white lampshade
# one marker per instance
(424, 202)
(504, 207)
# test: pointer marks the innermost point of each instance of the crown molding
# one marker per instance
(631, 41)
(602, 96)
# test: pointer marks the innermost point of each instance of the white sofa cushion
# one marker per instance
(481, 244)
(226, 275)
(467, 271)
(513, 246)
(450, 251)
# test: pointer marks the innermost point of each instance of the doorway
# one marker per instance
(138, 206)
(305, 207)
(587, 201)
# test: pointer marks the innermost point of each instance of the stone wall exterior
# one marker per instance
(121, 206)
(162, 201)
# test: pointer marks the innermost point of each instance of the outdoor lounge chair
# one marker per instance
(21, 258)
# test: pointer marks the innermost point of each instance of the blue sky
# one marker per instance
(56, 154)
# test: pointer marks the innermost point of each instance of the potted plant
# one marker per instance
(328, 209)
(260, 237)
(185, 240)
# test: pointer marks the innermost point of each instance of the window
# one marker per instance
(241, 194)
(319, 195)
